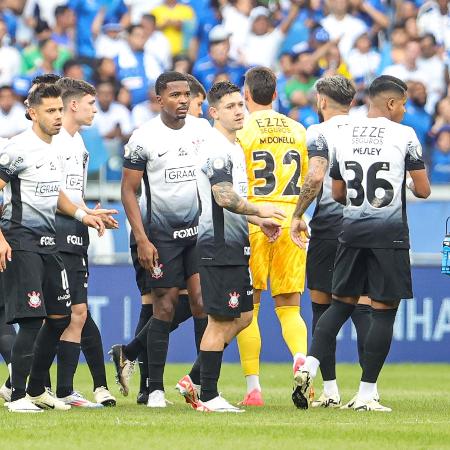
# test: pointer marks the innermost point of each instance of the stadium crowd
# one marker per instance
(121, 46)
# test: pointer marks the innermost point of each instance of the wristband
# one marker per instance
(80, 214)
(409, 182)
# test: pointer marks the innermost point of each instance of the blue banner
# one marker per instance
(421, 334)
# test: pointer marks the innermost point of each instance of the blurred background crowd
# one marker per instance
(121, 46)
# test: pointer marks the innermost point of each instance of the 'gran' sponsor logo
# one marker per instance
(74, 182)
(180, 174)
(47, 189)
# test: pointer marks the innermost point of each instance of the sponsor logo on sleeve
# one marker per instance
(74, 182)
(180, 174)
(15, 165)
(47, 189)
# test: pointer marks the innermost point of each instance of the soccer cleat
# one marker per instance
(5, 393)
(351, 403)
(76, 399)
(327, 401)
(23, 405)
(300, 396)
(46, 401)
(142, 398)
(371, 405)
(124, 368)
(104, 397)
(189, 390)
(157, 399)
(217, 404)
(252, 398)
(50, 392)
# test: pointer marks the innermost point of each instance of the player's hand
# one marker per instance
(94, 222)
(5, 254)
(105, 215)
(267, 210)
(271, 228)
(299, 232)
(147, 255)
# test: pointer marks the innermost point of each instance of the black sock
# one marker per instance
(92, 348)
(141, 353)
(182, 311)
(8, 383)
(22, 355)
(44, 353)
(361, 318)
(328, 364)
(48, 380)
(195, 370)
(327, 328)
(7, 337)
(199, 328)
(378, 343)
(157, 345)
(68, 355)
(134, 348)
(211, 362)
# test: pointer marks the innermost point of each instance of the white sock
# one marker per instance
(300, 356)
(330, 388)
(366, 391)
(311, 365)
(376, 394)
(9, 369)
(252, 383)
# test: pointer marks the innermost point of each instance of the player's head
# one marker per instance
(79, 99)
(334, 94)
(173, 94)
(45, 107)
(198, 96)
(260, 86)
(46, 78)
(388, 95)
(226, 106)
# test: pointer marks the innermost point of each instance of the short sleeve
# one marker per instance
(316, 142)
(413, 158)
(335, 171)
(135, 154)
(11, 162)
(218, 167)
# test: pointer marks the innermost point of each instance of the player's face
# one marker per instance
(48, 115)
(230, 111)
(397, 108)
(175, 99)
(85, 110)
(195, 106)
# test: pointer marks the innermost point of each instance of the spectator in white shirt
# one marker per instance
(9, 58)
(434, 18)
(236, 21)
(12, 114)
(363, 60)
(109, 41)
(145, 111)
(156, 43)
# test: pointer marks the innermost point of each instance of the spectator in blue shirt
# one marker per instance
(218, 60)
(440, 157)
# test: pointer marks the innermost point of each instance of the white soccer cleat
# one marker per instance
(301, 394)
(23, 405)
(77, 400)
(327, 401)
(5, 393)
(46, 401)
(217, 404)
(370, 405)
(351, 403)
(104, 397)
(157, 399)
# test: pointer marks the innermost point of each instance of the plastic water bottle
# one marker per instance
(446, 250)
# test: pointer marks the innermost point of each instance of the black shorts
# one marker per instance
(226, 290)
(383, 274)
(77, 273)
(176, 265)
(320, 264)
(35, 285)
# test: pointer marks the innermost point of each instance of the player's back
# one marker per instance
(276, 158)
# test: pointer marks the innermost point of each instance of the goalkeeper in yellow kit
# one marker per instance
(277, 163)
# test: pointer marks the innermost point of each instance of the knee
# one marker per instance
(245, 320)
(164, 310)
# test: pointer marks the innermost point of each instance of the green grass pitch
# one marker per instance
(418, 394)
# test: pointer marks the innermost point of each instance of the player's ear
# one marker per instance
(390, 104)
(159, 100)
(275, 95)
(213, 112)
(32, 113)
(73, 105)
(247, 96)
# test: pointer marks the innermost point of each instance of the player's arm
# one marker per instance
(5, 249)
(292, 15)
(103, 214)
(418, 183)
(70, 209)
(339, 191)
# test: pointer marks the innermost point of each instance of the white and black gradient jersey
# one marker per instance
(71, 235)
(326, 222)
(372, 156)
(222, 235)
(168, 159)
(31, 168)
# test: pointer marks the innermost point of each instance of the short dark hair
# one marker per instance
(6, 87)
(428, 36)
(220, 89)
(42, 43)
(261, 83)
(61, 9)
(168, 77)
(71, 88)
(387, 83)
(150, 17)
(70, 63)
(338, 88)
(47, 78)
(42, 91)
(195, 86)
(132, 27)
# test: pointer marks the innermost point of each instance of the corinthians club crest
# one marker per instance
(157, 271)
(34, 299)
(234, 300)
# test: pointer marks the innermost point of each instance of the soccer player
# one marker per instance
(162, 153)
(198, 96)
(370, 159)
(223, 244)
(334, 98)
(32, 275)
(72, 239)
(277, 163)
